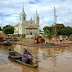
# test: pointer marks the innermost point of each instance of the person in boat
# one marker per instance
(26, 56)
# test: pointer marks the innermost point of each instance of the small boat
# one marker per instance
(7, 43)
(1, 43)
(14, 40)
(48, 44)
(18, 58)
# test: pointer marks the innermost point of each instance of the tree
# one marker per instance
(0, 28)
(39, 30)
(8, 29)
(47, 34)
(67, 31)
(50, 29)
(47, 28)
(59, 26)
(60, 30)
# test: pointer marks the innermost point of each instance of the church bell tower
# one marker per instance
(22, 22)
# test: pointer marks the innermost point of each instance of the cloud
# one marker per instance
(10, 10)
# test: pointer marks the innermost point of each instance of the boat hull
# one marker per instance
(18, 58)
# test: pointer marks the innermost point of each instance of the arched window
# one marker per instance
(23, 18)
(18, 29)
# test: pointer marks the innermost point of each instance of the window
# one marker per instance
(23, 18)
(18, 29)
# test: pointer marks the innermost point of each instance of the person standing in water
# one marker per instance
(57, 38)
(60, 39)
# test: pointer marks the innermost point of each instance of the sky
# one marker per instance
(10, 11)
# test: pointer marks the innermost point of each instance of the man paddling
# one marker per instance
(26, 56)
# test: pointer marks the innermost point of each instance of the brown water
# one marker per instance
(50, 59)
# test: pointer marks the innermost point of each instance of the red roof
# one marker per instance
(19, 24)
(31, 27)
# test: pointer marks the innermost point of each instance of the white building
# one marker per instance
(30, 27)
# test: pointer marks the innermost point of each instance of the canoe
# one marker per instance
(18, 58)
(7, 43)
(14, 40)
(48, 44)
(1, 43)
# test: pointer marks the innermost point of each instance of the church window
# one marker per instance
(31, 22)
(18, 29)
(23, 18)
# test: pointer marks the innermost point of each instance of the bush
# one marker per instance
(71, 35)
(17, 35)
(23, 35)
(32, 38)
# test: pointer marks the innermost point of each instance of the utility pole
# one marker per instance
(55, 20)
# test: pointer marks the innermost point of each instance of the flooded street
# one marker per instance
(50, 59)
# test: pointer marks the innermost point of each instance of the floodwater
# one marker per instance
(50, 59)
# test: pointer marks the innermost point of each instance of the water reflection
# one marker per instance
(50, 59)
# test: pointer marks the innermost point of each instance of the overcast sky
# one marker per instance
(10, 10)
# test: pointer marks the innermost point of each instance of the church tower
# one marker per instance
(36, 18)
(23, 17)
(22, 22)
(36, 21)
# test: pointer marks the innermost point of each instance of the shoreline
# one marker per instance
(30, 43)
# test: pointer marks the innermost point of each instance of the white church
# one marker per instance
(30, 27)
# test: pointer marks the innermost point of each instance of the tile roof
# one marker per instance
(31, 27)
(17, 25)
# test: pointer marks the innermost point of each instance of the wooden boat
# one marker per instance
(1, 40)
(1, 43)
(18, 58)
(48, 44)
(14, 40)
(7, 43)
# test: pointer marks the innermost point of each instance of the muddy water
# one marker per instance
(50, 59)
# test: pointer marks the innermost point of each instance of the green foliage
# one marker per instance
(67, 31)
(71, 35)
(47, 34)
(8, 29)
(31, 37)
(47, 28)
(50, 29)
(60, 26)
(0, 28)
(23, 35)
(17, 35)
(38, 36)
(60, 30)
(39, 30)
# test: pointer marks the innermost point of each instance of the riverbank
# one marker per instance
(30, 42)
